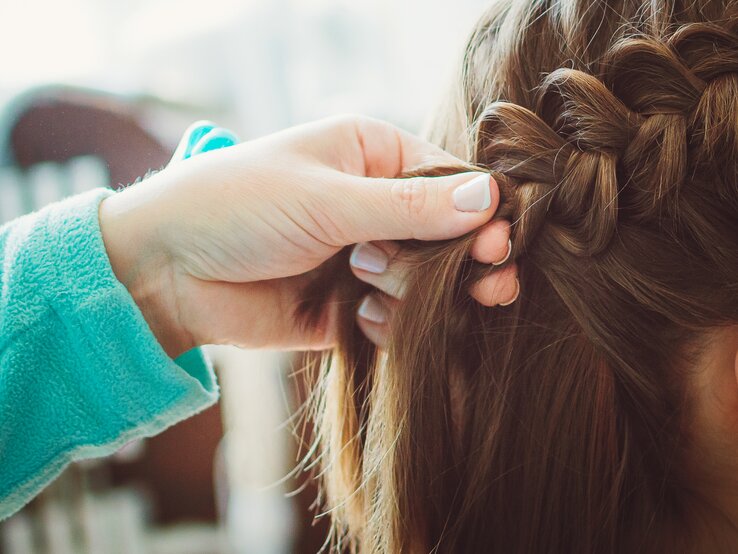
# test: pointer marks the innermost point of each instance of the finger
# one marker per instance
(388, 151)
(363, 146)
(499, 288)
(426, 208)
(492, 245)
(379, 265)
(373, 317)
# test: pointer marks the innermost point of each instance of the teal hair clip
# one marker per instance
(203, 136)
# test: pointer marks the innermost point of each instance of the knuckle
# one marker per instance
(498, 288)
(415, 197)
(482, 292)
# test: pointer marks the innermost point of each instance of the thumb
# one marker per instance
(425, 208)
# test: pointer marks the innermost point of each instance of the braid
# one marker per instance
(597, 149)
(562, 422)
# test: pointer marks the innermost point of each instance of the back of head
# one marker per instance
(558, 423)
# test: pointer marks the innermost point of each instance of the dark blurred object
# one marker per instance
(176, 469)
(59, 123)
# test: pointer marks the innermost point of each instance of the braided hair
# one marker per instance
(560, 423)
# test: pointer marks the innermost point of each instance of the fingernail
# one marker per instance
(473, 196)
(509, 249)
(517, 293)
(369, 258)
(372, 309)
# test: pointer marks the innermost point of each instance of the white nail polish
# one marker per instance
(369, 258)
(372, 309)
(473, 196)
(509, 250)
(514, 298)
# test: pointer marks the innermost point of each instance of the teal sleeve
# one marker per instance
(81, 373)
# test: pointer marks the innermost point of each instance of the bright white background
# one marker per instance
(269, 63)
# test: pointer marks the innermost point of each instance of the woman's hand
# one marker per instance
(214, 249)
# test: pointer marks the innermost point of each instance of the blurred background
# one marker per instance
(96, 93)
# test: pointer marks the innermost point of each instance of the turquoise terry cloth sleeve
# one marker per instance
(81, 373)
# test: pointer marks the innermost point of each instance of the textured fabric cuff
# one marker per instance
(104, 379)
(104, 321)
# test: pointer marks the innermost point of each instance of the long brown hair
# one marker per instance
(556, 424)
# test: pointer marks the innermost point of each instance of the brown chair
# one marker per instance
(59, 123)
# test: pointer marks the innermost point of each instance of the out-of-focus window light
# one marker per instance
(45, 41)
(270, 62)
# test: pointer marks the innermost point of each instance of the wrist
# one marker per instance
(140, 262)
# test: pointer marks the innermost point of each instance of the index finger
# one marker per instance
(389, 151)
(368, 147)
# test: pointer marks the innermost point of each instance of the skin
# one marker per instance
(214, 250)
